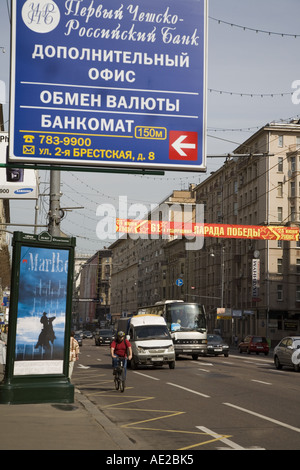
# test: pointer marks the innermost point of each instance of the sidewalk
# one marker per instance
(76, 426)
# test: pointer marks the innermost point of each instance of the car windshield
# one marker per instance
(185, 317)
(151, 332)
(259, 339)
(105, 332)
(214, 338)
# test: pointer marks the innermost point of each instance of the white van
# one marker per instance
(151, 341)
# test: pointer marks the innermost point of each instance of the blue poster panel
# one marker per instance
(110, 83)
(41, 311)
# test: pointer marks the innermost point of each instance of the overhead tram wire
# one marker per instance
(255, 30)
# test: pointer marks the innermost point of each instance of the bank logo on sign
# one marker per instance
(41, 16)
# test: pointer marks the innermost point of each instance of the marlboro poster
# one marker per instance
(41, 315)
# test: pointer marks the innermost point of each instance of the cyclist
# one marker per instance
(120, 347)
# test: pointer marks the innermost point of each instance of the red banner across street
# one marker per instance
(258, 232)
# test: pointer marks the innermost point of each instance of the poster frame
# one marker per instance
(45, 387)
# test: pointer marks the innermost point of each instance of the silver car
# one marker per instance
(287, 353)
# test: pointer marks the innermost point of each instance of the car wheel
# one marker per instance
(226, 354)
(195, 357)
(277, 363)
(240, 350)
(172, 365)
(133, 364)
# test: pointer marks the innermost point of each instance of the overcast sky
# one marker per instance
(240, 62)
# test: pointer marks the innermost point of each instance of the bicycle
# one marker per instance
(119, 375)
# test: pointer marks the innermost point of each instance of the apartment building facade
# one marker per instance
(140, 263)
(91, 298)
(260, 185)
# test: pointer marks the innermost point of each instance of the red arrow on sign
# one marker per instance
(183, 145)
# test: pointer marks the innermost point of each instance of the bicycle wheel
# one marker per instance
(122, 385)
(117, 383)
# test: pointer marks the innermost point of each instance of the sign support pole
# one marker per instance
(54, 214)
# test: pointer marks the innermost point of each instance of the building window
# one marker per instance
(293, 214)
(280, 292)
(254, 171)
(235, 208)
(280, 214)
(298, 266)
(279, 266)
(280, 189)
(280, 164)
(297, 293)
(293, 189)
(280, 141)
(293, 164)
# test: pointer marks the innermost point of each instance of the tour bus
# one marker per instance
(186, 323)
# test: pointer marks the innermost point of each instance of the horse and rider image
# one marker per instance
(47, 334)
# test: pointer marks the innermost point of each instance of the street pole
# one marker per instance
(54, 213)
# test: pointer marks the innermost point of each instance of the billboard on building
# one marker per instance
(15, 183)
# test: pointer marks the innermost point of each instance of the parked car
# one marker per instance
(78, 339)
(217, 346)
(104, 337)
(87, 335)
(256, 344)
(287, 353)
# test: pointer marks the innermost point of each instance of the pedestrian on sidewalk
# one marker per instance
(3, 346)
(74, 353)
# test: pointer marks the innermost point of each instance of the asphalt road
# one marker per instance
(235, 403)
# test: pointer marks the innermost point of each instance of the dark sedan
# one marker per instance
(217, 346)
(104, 337)
(78, 339)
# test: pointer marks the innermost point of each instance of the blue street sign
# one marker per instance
(109, 84)
(179, 282)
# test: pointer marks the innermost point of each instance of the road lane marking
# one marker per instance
(145, 375)
(204, 370)
(261, 382)
(226, 441)
(189, 390)
(202, 363)
(266, 418)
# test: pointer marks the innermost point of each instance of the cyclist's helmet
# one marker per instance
(120, 335)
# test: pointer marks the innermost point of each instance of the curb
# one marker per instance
(118, 437)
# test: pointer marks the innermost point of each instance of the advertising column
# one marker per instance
(39, 321)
